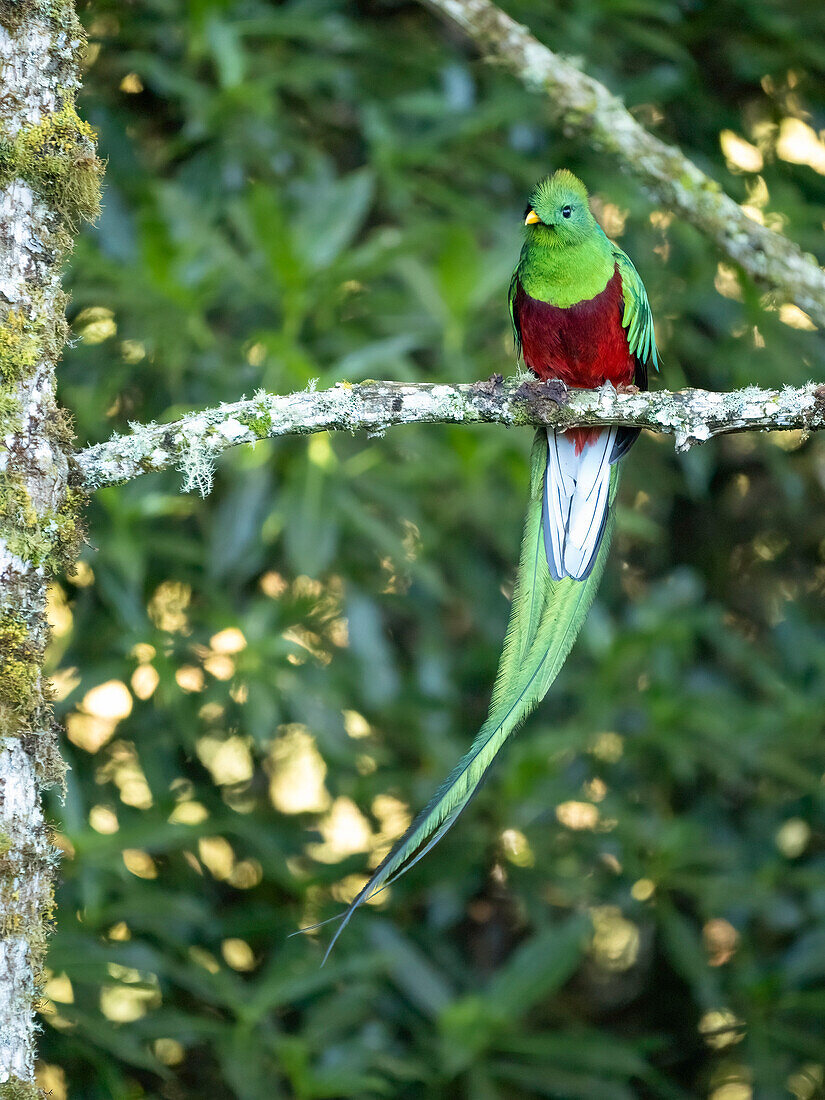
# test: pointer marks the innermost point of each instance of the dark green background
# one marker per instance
(329, 190)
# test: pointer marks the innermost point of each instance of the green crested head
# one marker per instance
(558, 214)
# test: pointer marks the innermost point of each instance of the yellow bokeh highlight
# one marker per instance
(145, 680)
(52, 1080)
(345, 831)
(205, 959)
(732, 1090)
(612, 218)
(217, 856)
(190, 679)
(297, 773)
(123, 1004)
(81, 575)
(795, 317)
(643, 889)
(721, 1028)
(58, 987)
(123, 768)
(246, 874)
(131, 84)
(88, 733)
(228, 759)
(167, 607)
(272, 584)
(58, 612)
(393, 815)
(238, 954)
(220, 665)
(351, 885)
(95, 324)
(189, 812)
(577, 815)
(63, 682)
(608, 747)
(320, 452)
(595, 790)
(168, 1051)
(139, 863)
(808, 1082)
(726, 282)
(739, 153)
(799, 143)
(792, 837)
(230, 640)
(111, 701)
(721, 940)
(615, 943)
(132, 351)
(516, 848)
(356, 724)
(102, 707)
(103, 820)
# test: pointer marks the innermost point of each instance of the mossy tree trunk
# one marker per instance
(49, 180)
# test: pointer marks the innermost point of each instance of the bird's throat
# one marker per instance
(565, 276)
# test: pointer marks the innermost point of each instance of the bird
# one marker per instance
(581, 320)
(580, 316)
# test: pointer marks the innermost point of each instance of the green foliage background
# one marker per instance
(332, 191)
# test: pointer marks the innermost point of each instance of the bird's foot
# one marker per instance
(627, 388)
(553, 389)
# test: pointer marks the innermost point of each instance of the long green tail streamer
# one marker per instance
(545, 619)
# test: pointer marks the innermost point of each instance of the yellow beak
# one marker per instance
(532, 218)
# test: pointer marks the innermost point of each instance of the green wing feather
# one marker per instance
(511, 301)
(637, 318)
(545, 619)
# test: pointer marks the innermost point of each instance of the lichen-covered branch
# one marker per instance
(583, 106)
(192, 443)
(49, 176)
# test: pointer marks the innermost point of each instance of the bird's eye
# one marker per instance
(566, 211)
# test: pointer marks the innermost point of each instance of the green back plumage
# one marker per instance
(545, 619)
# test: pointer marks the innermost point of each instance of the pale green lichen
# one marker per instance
(57, 157)
(196, 463)
(260, 425)
(16, 1089)
(12, 13)
(20, 661)
(20, 346)
(28, 337)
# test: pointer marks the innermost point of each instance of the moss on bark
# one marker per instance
(57, 157)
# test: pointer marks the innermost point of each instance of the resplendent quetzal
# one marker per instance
(580, 315)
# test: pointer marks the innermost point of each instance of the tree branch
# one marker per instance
(192, 443)
(583, 106)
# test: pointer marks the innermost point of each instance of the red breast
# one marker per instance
(584, 345)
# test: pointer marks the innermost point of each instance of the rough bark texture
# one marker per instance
(48, 179)
(192, 443)
(583, 106)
